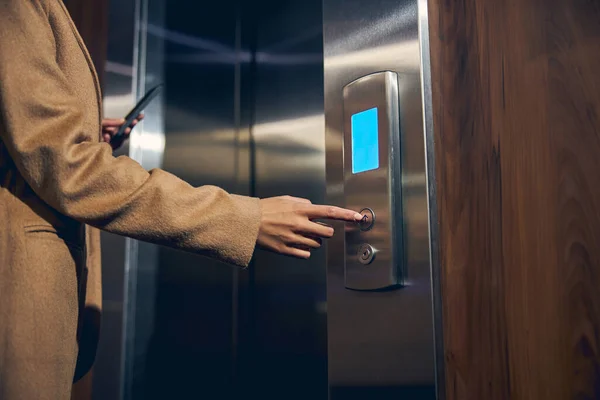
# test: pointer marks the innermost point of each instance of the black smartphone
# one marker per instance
(135, 111)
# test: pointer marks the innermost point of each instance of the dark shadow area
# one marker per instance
(383, 393)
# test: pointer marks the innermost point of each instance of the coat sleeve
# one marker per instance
(41, 125)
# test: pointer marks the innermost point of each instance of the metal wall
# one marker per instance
(147, 146)
(168, 321)
(181, 346)
(243, 109)
(118, 88)
(283, 338)
(381, 344)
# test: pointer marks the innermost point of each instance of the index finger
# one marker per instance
(332, 212)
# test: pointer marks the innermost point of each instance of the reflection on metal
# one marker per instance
(209, 58)
(293, 132)
(303, 36)
(399, 19)
(118, 99)
(285, 353)
(131, 246)
(180, 318)
(398, 54)
(296, 59)
(117, 68)
(291, 59)
(383, 339)
(218, 53)
(188, 40)
(146, 146)
(151, 141)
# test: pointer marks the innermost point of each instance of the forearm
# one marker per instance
(55, 144)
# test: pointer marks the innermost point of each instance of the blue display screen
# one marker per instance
(365, 141)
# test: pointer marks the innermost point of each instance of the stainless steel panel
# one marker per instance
(182, 342)
(283, 323)
(118, 94)
(134, 61)
(381, 344)
(173, 333)
(374, 257)
(146, 145)
(194, 327)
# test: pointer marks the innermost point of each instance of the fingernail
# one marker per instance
(358, 216)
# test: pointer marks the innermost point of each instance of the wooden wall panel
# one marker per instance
(91, 18)
(516, 99)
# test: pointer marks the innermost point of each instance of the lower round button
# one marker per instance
(366, 254)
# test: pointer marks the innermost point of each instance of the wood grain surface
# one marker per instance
(91, 19)
(516, 99)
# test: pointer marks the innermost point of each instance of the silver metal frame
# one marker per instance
(432, 204)
(147, 148)
(379, 189)
(131, 246)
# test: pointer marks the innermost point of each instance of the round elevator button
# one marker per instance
(366, 254)
(368, 219)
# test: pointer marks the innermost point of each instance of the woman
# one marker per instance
(59, 184)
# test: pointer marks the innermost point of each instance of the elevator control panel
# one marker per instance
(374, 256)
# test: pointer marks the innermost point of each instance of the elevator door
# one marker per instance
(282, 330)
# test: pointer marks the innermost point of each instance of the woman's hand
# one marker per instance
(288, 225)
(110, 127)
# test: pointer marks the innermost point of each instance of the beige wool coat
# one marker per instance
(59, 184)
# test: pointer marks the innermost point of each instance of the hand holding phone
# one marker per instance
(110, 127)
(135, 113)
